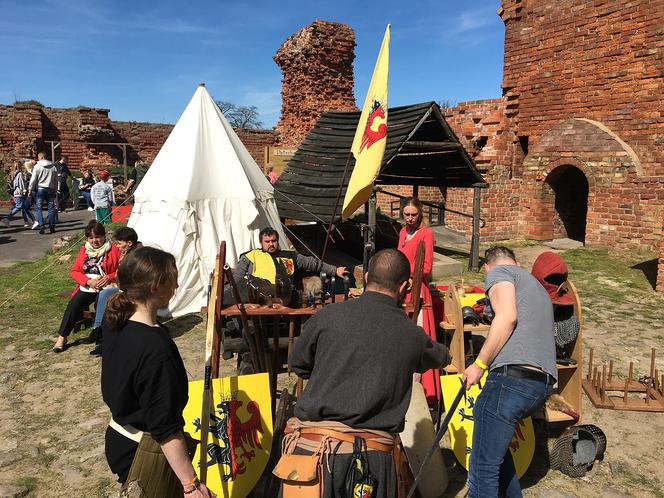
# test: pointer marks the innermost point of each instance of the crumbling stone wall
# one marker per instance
(317, 67)
(146, 139)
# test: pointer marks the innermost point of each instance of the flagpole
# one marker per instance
(336, 206)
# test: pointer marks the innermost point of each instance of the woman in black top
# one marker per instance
(143, 380)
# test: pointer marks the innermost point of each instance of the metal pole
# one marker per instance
(474, 262)
(369, 230)
(124, 162)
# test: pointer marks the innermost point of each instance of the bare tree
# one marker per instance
(240, 116)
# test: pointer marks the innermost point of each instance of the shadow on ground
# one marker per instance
(182, 324)
(649, 269)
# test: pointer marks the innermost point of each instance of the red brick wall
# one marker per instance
(317, 67)
(255, 141)
(599, 60)
(146, 139)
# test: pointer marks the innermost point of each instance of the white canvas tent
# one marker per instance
(203, 187)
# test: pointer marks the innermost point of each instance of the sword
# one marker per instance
(439, 436)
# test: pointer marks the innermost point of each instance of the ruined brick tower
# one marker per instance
(317, 67)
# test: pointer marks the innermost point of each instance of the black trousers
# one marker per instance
(75, 308)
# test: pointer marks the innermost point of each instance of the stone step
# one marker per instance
(444, 266)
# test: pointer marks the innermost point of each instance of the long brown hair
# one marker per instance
(142, 273)
(417, 204)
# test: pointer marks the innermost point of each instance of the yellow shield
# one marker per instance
(240, 431)
(522, 446)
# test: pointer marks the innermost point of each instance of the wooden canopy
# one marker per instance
(421, 150)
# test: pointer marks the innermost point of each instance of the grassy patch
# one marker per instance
(29, 482)
(635, 479)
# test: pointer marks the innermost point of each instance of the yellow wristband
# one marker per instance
(481, 364)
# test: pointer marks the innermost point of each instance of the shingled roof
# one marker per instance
(421, 150)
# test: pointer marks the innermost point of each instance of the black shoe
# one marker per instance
(94, 336)
(51, 230)
(41, 230)
(96, 351)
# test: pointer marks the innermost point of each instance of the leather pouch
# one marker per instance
(300, 476)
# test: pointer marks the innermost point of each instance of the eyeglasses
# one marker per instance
(409, 285)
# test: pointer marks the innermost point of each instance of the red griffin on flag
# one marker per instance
(371, 135)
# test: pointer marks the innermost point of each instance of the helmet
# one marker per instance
(470, 315)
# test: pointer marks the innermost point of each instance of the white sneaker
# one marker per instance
(90, 209)
(6, 222)
(35, 225)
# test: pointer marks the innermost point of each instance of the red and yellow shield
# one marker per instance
(239, 435)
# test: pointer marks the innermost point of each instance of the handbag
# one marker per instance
(300, 475)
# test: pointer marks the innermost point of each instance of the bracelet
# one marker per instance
(194, 482)
(190, 483)
(481, 364)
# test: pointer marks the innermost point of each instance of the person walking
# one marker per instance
(63, 188)
(43, 186)
(520, 354)
(102, 197)
(21, 198)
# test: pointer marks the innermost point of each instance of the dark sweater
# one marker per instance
(144, 383)
(360, 357)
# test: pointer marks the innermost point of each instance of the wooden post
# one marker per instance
(603, 390)
(610, 371)
(590, 363)
(629, 379)
(474, 261)
(291, 338)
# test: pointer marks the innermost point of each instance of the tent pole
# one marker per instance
(474, 261)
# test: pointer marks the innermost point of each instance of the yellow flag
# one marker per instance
(371, 135)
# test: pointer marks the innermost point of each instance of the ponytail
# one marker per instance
(118, 310)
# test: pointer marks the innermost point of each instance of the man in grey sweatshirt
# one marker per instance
(43, 186)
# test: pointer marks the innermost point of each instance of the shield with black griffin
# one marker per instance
(522, 446)
(239, 432)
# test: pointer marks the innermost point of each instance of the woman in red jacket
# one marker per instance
(409, 238)
(94, 269)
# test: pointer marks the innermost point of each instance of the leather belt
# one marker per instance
(318, 434)
(520, 372)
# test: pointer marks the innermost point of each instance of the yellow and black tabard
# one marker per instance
(264, 263)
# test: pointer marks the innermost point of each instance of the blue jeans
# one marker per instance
(88, 198)
(100, 307)
(48, 195)
(22, 205)
(504, 400)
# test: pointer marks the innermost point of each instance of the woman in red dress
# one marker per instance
(409, 238)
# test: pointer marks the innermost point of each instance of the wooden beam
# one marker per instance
(420, 144)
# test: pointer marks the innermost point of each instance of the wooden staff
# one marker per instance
(210, 334)
(418, 277)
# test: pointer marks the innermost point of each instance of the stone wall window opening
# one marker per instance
(570, 188)
(523, 141)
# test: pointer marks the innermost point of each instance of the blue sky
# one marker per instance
(143, 59)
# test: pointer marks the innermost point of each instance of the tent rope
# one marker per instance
(307, 211)
(74, 245)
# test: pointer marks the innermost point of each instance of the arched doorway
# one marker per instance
(570, 186)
